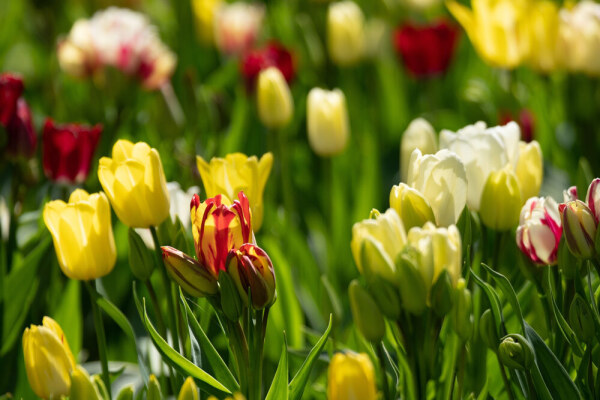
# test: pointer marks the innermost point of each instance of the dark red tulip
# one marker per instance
(272, 55)
(11, 88)
(68, 150)
(426, 50)
(15, 117)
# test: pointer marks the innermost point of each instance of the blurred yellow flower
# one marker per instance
(579, 38)
(529, 169)
(134, 181)
(327, 121)
(189, 390)
(204, 11)
(345, 33)
(501, 200)
(274, 99)
(48, 359)
(82, 234)
(351, 376)
(236, 173)
(543, 26)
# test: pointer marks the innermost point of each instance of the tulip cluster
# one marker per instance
(118, 38)
(19, 139)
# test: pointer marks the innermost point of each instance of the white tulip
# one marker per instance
(327, 121)
(419, 135)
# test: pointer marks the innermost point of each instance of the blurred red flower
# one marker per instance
(426, 50)
(273, 54)
(15, 117)
(526, 121)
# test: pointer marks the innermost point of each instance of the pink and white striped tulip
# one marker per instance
(540, 230)
(593, 198)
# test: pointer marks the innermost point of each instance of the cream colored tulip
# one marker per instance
(411, 206)
(419, 135)
(274, 98)
(327, 121)
(442, 180)
(345, 33)
(530, 169)
(579, 38)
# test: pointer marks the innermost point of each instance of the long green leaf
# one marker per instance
(222, 372)
(299, 382)
(279, 387)
(556, 379)
(509, 292)
(176, 360)
(494, 303)
(563, 325)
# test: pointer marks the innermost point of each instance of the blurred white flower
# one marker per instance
(237, 26)
(180, 202)
(579, 37)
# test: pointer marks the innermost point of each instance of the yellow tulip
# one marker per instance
(497, 29)
(134, 181)
(236, 173)
(543, 35)
(351, 376)
(82, 234)
(48, 359)
(411, 206)
(327, 121)
(189, 390)
(501, 200)
(204, 11)
(529, 169)
(274, 99)
(345, 33)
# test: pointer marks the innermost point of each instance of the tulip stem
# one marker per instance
(505, 379)
(101, 337)
(384, 380)
(160, 321)
(593, 301)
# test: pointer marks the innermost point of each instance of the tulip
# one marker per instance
(189, 390)
(365, 313)
(543, 35)
(579, 227)
(516, 352)
(68, 150)
(134, 181)
(593, 198)
(345, 33)
(154, 392)
(82, 386)
(529, 169)
(219, 227)
(180, 202)
(411, 206)
(413, 290)
(11, 88)
(48, 359)
(274, 99)
(237, 26)
(193, 277)
(442, 180)
(82, 234)
(272, 55)
(419, 135)
(238, 173)
(426, 49)
(252, 272)
(540, 230)
(351, 376)
(376, 243)
(327, 121)
(579, 38)
(204, 13)
(501, 200)
(497, 29)
(15, 117)
(570, 194)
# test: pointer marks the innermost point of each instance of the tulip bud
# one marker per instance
(593, 198)
(529, 169)
(154, 392)
(189, 390)
(410, 281)
(419, 135)
(345, 33)
(365, 313)
(516, 352)
(386, 296)
(274, 99)
(488, 331)
(500, 200)
(442, 294)
(579, 228)
(193, 277)
(327, 121)
(581, 319)
(251, 270)
(140, 257)
(126, 393)
(231, 304)
(462, 320)
(82, 387)
(411, 206)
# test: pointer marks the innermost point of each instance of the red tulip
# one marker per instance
(68, 150)
(15, 117)
(272, 55)
(11, 88)
(526, 121)
(426, 50)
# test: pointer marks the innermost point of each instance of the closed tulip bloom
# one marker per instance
(48, 359)
(579, 38)
(501, 200)
(238, 173)
(351, 376)
(540, 230)
(419, 135)
(442, 180)
(411, 206)
(11, 88)
(529, 169)
(377, 242)
(68, 150)
(218, 227)
(327, 121)
(498, 29)
(15, 118)
(345, 33)
(274, 99)
(135, 183)
(579, 227)
(252, 271)
(237, 26)
(193, 277)
(82, 234)
(83, 387)
(543, 35)
(189, 390)
(593, 198)
(204, 13)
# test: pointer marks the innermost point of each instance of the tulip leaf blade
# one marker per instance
(184, 366)
(296, 387)
(279, 387)
(494, 303)
(509, 292)
(222, 372)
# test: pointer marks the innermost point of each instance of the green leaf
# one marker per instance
(68, 314)
(494, 303)
(279, 386)
(555, 377)
(509, 292)
(222, 372)
(563, 325)
(176, 360)
(299, 382)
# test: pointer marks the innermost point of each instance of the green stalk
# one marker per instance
(101, 337)
(384, 381)
(505, 379)
(160, 321)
